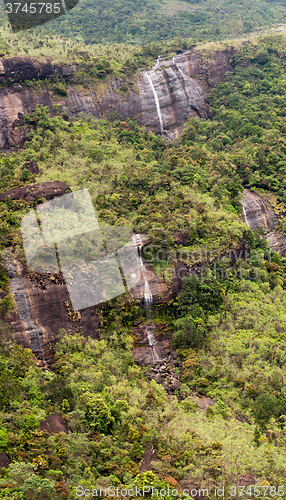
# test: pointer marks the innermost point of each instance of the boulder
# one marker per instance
(148, 457)
(175, 385)
(47, 190)
(32, 166)
(246, 480)
(54, 424)
(4, 460)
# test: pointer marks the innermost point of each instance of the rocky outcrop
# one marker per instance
(18, 69)
(4, 460)
(148, 457)
(258, 213)
(43, 309)
(152, 349)
(168, 94)
(54, 424)
(47, 190)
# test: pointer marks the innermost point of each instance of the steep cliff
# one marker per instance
(165, 96)
(257, 213)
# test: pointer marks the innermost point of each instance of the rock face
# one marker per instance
(43, 309)
(54, 424)
(169, 93)
(42, 300)
(18, 69)
(4, 460)
(257, 213)
(148, 457)
(153, 350)
(47, 190)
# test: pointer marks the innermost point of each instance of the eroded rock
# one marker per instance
(258, 213)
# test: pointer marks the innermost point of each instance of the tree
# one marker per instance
(98, 414)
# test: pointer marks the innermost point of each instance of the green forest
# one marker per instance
(228, 327)
(145, 21)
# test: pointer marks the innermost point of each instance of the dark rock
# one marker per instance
(175, 385)
(47, 190)
(148, 457)
(47, 300)
(4, 460)
(32, 166)
(158, 378)
(182, 238)
(54, 424)
(246, 479)
(3, 295)
(18, 69)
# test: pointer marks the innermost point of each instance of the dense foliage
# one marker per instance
(228, 321)
(145, 21)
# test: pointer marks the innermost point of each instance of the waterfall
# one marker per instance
(156, 102)
(152, 342)
(244, 214)
(148, 297)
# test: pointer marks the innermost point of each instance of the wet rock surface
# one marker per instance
(258, 213)
(152, 350)
(169, 93)
(43, 309)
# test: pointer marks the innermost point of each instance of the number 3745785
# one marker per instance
(33, 8)
(257, 491)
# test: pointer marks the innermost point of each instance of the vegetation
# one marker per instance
(227, 323)
(141, 22)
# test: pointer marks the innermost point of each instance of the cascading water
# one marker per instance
(152, 342)
(156, 102)
(148, 297)
(244, 214)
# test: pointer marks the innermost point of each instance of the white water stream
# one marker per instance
(244, 214)
(156, 102)
(152, 342)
